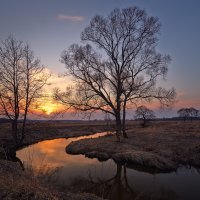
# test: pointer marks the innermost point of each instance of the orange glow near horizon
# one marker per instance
(48, 108)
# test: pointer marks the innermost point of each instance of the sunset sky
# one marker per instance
(50, 26)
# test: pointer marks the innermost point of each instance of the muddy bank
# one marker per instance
(18, 184)
(163, 146)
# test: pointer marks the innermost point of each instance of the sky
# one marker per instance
(50, 26)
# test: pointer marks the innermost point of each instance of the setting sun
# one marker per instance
(48, 108)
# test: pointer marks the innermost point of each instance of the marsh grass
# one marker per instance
(17, 184)
(164, 145)
(40, 170)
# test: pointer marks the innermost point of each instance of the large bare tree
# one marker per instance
(124, 70)
(21, 79)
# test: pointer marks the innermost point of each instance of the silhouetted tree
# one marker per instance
(188, 113)
(183, 113)
(193, 112)
(142, 112)
(21, 80)
(124, 71)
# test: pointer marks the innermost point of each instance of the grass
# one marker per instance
(163, 145)
(34, 184)
(38, 184)
(175, 142)
(16, 184)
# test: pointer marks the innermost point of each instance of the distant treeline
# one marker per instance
(4, 120)
(175, 118)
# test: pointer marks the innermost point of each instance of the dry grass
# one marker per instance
(163, 145)
(16, 184)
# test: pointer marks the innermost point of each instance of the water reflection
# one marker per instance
(109, 179)
(118, 187)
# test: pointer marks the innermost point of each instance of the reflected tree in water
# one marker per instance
(118, 187)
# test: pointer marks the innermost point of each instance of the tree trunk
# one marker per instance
(23, 130)
(24, 124)
(144, 124)
(14, 131)
(124, 121)
(26, 103)
(118, 127)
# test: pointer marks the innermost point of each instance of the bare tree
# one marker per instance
(142, 112)
(188, 113)
(183, 113)
(124, 71)
(193, 113)
(21, 79)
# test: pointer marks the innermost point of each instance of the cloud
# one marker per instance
(70, 18)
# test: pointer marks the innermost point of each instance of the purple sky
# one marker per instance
(50, 26)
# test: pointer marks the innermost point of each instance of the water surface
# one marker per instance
(109, 179)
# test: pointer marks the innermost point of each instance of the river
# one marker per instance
(106, 178)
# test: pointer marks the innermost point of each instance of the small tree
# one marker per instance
(183, 113)
(21, 79)
(124, 71)
(144, 113)
(188, 113)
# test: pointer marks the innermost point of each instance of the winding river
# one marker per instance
(107, 178)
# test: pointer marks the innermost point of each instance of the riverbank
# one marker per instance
(47, 131)
(18, 184)
(161, 147)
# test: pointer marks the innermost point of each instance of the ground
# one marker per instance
(18, 184)
(161, 147)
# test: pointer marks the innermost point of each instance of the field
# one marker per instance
(162, 146)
